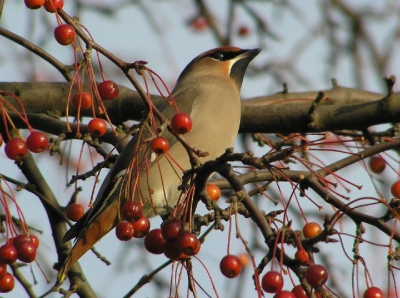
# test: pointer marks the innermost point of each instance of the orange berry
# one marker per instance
(244, 259)
(34, 4)
(311, 229)
(159, 145)
(97, 127)
(181, 123)
(214, 192)
(82, 100)
(53, 5)
(395, 189)
(302, 256)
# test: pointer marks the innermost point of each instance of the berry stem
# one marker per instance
(172, 99)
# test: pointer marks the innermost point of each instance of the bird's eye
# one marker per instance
(218, 56)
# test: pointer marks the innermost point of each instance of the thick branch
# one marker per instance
(30, 170)
(340, 108)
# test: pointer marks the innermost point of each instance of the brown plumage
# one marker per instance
(208, 90)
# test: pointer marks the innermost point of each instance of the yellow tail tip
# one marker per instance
(62, 274)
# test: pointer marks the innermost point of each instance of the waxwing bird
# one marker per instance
(208, 90)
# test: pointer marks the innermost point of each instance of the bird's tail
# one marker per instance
(94, 230)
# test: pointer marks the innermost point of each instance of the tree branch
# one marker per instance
(341, 108)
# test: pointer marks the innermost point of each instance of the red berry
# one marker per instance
(181, 123)
(395, 189)
(302, 256)
(272, 282)
(299, 292)
(24, 237)
(188, 243)
(171, 251)
(35, 240)
(75, 212)
(82, 100)
(26, 251)
(285, 294)
(37, 141)
(377, 164)
(199, 23)
(171, 229)
(214, 192)
(131, 211)
(6, 283)
(8, 254)
(53, 5)
(154, 242)
(316, 275)
(3, 270)
(64, 34)
(373, 292)
(230, 266)
(124, 231)
(311, 229)
(97, 127)
(243, 31)
(159, 145)
(34, 4)
(141, 227)
(108, 90)
(16, 149)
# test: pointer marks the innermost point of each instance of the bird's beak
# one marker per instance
(249, 54)
(241, 62)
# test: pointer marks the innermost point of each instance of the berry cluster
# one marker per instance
(50, 5)
(171, 239)
(181, 123)
(315, 275)
(23, 248)
(135, 225)
(66, 34)
(16, 148)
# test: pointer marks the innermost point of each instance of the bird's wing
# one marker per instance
(134, 153)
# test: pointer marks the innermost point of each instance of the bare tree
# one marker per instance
(311, 190)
